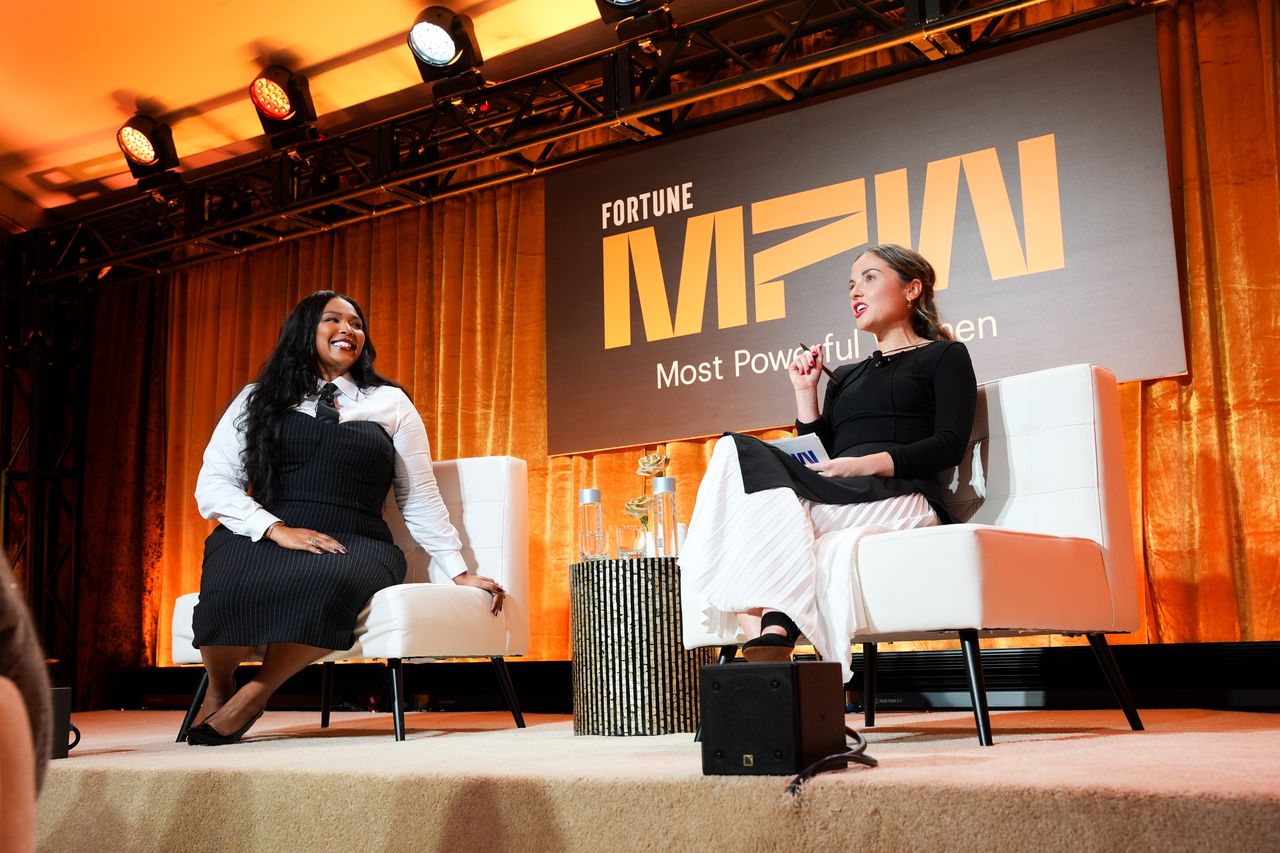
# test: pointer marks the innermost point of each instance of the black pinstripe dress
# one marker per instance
(333, 478)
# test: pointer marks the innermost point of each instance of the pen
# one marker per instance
(830, 375)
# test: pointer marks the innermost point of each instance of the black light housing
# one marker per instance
(282, 100)
(147, 145)
(444, 46)
(614, 11)
(635, 18)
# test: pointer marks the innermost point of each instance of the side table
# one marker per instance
(631, 672)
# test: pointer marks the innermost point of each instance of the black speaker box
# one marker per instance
(763, 719)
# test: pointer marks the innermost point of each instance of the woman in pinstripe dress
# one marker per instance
(296, 474)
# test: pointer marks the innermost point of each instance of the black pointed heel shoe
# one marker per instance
(206, 735)
(772, 647)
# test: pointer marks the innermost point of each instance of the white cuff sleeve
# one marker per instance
(418, 496)
(221, 487)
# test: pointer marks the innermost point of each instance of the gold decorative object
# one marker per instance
(653, 465)
(638, 508)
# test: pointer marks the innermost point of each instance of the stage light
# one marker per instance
(444, 46)
(147, 146)
(283, 102)
(613, 11)
(136, 146)
(635, 18)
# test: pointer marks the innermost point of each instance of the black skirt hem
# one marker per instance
(328, 641)
(766, 467)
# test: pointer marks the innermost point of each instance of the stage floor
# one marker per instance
(1054, 780)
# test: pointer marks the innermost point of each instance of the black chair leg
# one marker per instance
(869, 684)
(508, 689)
(727, 655)
(196, 702)
(977, 687)
(1102, 651)
(326, 692)
(397, 690)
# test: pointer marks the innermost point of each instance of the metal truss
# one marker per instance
(42, 419)
(662, 85)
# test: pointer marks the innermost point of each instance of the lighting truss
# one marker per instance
(784, 51)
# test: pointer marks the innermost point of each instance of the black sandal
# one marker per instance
(772, 647)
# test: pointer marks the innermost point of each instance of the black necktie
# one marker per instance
(325, 409)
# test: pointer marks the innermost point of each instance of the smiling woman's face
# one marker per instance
(339, 338)
(878, 295)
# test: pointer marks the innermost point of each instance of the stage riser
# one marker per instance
(1054, 780)
(207, 810)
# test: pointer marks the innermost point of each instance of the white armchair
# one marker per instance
(487, 501)
(1044, 548)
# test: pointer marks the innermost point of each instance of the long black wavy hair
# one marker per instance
(287, 376)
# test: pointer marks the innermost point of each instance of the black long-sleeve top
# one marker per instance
(917, 406)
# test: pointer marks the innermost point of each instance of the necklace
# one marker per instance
(879, 359)
(905, 348)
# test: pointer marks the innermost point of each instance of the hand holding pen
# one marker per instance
(815, 361)
(803, 372)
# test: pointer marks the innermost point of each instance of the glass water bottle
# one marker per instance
(664, 516)
(591, 545)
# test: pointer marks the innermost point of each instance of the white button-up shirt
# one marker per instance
(221, 488)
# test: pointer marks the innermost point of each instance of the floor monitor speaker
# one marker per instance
(770, 718)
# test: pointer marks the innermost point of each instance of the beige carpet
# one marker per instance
(1078, 781)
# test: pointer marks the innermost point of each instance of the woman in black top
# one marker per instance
(891, 424)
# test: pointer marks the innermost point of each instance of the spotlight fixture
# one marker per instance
(283, 102)
(934, 46)
(148, 149)
(635, 18)
(445, 49)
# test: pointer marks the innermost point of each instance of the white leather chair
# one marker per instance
(1045, 546)
(487, 501)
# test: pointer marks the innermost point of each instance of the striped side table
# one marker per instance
(631, 672)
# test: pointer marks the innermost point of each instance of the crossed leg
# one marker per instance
(279, 662)
(220, 662)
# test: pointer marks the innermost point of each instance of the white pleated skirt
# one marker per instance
(774, 550)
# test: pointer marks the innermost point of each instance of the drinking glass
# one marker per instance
(631, 541)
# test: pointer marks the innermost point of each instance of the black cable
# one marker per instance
(836, 761)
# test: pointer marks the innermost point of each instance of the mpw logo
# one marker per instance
(843, 209)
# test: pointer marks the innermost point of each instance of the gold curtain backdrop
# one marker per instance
(454, 293)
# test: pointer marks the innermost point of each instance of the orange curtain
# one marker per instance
(454, 293)
(123, 520)
(1203, 462)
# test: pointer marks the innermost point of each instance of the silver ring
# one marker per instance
(313, 541)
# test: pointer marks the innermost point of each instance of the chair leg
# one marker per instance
(727, 654)
(508, 689)
(326, 692)
(196, 701)
(977, 687)
(869, 684)
(397, 690)
(1102, 651)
